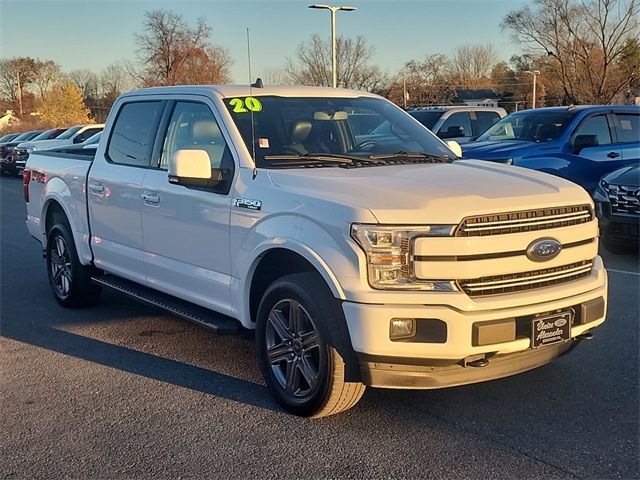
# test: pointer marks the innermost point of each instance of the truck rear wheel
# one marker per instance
(303, 373)
(69, 279)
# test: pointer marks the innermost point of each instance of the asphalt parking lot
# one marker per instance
(124, 391)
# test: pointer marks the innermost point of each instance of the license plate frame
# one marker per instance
(551, 329)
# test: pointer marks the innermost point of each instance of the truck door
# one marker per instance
(186, 229)
(114, 189)
(594, 154)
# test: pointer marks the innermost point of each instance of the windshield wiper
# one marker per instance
(312, 157)
(419, 156)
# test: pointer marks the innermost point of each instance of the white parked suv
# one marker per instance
(72, 136)
(383, 262)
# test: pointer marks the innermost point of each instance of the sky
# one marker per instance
(92, 34)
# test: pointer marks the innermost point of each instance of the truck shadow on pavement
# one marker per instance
(46, 334)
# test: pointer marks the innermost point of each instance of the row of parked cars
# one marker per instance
(16, 147)
(597, 147)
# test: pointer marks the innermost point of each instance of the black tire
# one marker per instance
(304, 374)
(619, 247)
(70, 280)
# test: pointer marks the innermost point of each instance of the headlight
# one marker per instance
(604, 185)
(31, 148)
(387, 250)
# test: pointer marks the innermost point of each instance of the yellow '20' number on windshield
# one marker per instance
(243, 106)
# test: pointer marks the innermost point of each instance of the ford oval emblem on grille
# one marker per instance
(543, 249)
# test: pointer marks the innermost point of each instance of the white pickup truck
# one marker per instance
(386, 262)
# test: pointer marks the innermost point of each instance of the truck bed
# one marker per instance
(63, 171)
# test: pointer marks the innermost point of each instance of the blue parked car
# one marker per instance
(581, 143)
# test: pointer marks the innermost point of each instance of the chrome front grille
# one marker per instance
(624, 199)
(524, 221)
(518, 282)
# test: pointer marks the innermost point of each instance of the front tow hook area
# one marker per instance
(585, 336)
(476, 361)
(481, 362)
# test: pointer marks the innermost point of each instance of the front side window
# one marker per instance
(193, 127)
(131, 141)
(529, 126)
(88, 133)
(596, 126)
(295, 129)
(456, 126)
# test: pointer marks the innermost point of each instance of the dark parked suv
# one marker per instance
(618, 208)
(6, 151)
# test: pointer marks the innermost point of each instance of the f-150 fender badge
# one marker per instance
(247, 203)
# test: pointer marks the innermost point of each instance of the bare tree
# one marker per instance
(172, 52)
(472, 65)
(585, 41)
(312, 65)
(86, 82)
(16, 74)
(274, 75)
(46, 75)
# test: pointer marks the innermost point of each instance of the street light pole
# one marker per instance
(334, 59)
(533, 73)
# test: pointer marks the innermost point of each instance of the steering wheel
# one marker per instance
(367, 145)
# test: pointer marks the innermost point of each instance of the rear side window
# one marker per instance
(486, 120)
(628, 127)
(133, 133)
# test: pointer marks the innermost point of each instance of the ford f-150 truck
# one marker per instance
(381, 262)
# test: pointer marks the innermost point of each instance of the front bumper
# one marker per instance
(617, 227)
(443, 360)
(8, 165)
(377, 373)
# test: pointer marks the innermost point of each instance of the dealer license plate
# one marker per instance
(551, 329)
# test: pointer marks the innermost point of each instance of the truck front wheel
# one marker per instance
(303, 372)
(69, 279)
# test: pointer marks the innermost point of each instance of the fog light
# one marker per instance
(402, 328)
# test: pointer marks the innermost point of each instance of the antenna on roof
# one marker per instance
(258, 83)
(253, 125)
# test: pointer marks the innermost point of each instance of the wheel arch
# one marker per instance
(55, 206)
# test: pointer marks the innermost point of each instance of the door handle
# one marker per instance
(151, 198)
(96, 188)
(613, 155)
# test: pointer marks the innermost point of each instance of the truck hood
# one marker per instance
(436, 193)
(624, 176)
(495, 149)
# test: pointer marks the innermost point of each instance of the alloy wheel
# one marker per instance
(294, 351)
(60, 263)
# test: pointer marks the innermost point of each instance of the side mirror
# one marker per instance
(193, 168)
(584, 141)
(79, 139)
(455, 148)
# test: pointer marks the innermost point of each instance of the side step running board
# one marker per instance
(220, 324)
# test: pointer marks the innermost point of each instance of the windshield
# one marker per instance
(530, 126)
(428, 119)
(8, 137)
(46, 135)
(69, 133)
(342, 127)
